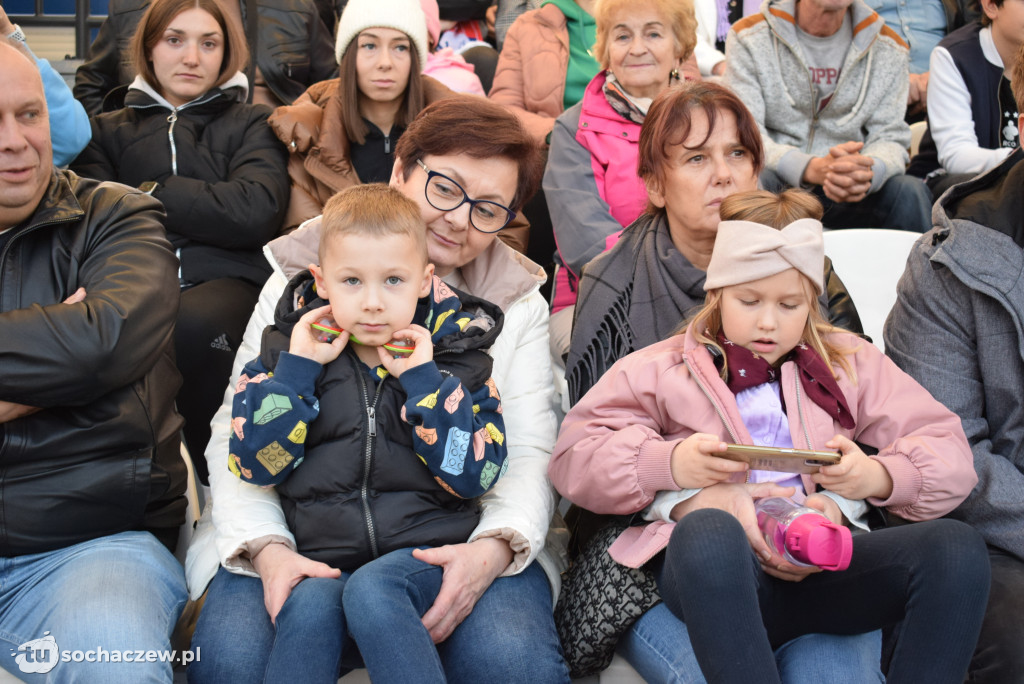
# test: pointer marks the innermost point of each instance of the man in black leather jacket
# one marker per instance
(291, 48)
(91, 479)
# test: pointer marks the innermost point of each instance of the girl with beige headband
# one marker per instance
(758, 365)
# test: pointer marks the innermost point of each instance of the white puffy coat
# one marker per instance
(518, 508)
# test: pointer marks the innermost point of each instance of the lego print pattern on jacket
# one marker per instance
(458, 433)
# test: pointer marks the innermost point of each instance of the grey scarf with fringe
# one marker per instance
(635, 294)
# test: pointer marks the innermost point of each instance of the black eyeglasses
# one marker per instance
(445, 194)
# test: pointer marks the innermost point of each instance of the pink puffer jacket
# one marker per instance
(530, 77)
(613, 452)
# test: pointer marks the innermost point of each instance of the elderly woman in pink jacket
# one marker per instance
(759, 365)
(591, 184)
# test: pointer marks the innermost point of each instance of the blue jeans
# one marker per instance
(508, 637)
(658, 647)
(930, 577)
(238, 643)
(123, 592)
(903, 202)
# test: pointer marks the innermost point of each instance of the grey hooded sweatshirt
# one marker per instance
(768, 71)
(958, 329)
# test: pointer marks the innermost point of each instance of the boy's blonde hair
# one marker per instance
(374, 209)
(775, 211)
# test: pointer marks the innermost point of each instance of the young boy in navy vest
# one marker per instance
(394, 446)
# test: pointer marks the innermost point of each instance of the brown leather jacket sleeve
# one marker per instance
(300, 122)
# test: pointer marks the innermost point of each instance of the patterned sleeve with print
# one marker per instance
(270, 416)
(458, 434)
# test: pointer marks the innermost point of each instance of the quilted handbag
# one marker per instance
(600, 600)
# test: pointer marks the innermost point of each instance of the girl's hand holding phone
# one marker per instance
(305, 340)
(856, 476)
(422, 353)
(695, 465)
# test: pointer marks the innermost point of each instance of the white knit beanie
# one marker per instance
(402, 15)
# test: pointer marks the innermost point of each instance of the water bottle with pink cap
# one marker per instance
(802, 535)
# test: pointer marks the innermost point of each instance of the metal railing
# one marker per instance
(82, 22)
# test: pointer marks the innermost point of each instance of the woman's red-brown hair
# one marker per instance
(670, 119)
(478, 128)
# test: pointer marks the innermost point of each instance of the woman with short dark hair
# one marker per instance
(492, 620)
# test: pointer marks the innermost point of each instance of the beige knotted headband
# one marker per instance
(746, 251)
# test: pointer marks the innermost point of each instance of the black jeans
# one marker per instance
(211, 321)
(932, 576)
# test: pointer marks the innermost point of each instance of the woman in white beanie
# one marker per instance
(342, 132)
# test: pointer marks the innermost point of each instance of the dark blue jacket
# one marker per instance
(982, 79)
(385, 463)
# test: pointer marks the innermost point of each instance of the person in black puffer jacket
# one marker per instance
(292, 47)
(186, 137)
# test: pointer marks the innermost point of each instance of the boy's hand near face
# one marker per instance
(423, 352)
(305, 340)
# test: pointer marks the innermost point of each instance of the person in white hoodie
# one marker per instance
(495, 598)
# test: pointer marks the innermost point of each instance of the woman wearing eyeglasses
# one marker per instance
(469, 165)
(343, 131)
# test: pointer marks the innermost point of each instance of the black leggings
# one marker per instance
(211, 322)
(932, 576)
